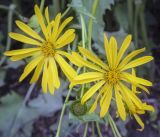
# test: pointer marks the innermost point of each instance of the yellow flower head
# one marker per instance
(46, 51)
(139, 109)
(112, 77)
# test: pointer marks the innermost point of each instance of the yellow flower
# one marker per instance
(139, 110)
(46, 51)
(111, 78)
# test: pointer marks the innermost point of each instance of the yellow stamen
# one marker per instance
(48, 49)
(112, 76)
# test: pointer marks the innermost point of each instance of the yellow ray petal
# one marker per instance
(45, 77)
(107, 49)
(41, 21)
(92, 57)
(133, 97)
(65, 36)
(52, 78)
(124, 47)
(74, 82)
(143, 88)
(138, 119)
(106, 102)
(56, 26)
(135, 80)
(113, 51)
(21, 51)
(48, 22)
(126, 98)
(137, 62)
(22, 56)
(120, 105)
(91, 91)
(54, 72)
(86, 63)
(63, 25)
(66, 41)
(37, 71)
(28, 30)
(103, 91)
(89, 75)
(47, 15)
(148, 107)
(30, 66)
(66, 68)
(24, 39)
(69, 56)
(129, 57)
(133, 85)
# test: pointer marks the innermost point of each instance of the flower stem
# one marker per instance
(98, 129)
(42, 5)
(137, 7)
(114, 127)
(62, 114)
(90, 24)
(66, 11)
(9, 26)
(85, 130)
(130, 15)
(143, 25)
(93, 131)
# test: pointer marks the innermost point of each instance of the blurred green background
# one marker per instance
(39, 116)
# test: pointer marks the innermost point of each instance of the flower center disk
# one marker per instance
(48, 49)
(112, 76)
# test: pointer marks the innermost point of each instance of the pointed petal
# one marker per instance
(66, 68)
(138, 119)
(30, 66)
(24, 39)
(21, 51)
(123, 48)
(92, 57)
(41, 21)
(106, 102)
(37, 71)
(29, 31)
(54, 72)
(130, 57)
(63, 25)
(137, 62)
(136, 80)
(45, 77)
(120, 105)
(91, 91)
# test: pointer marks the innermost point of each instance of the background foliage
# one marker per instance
(40, 115)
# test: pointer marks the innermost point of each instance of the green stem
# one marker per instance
(66, 11)
(98, 129)
(62, 114)
(143, 26)
(114, 127)
(42, 5)
(90, 24)
(9, 26)
(130, 15)
(137, 7)
(93, 131)
(21, 109)
(85, 130)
